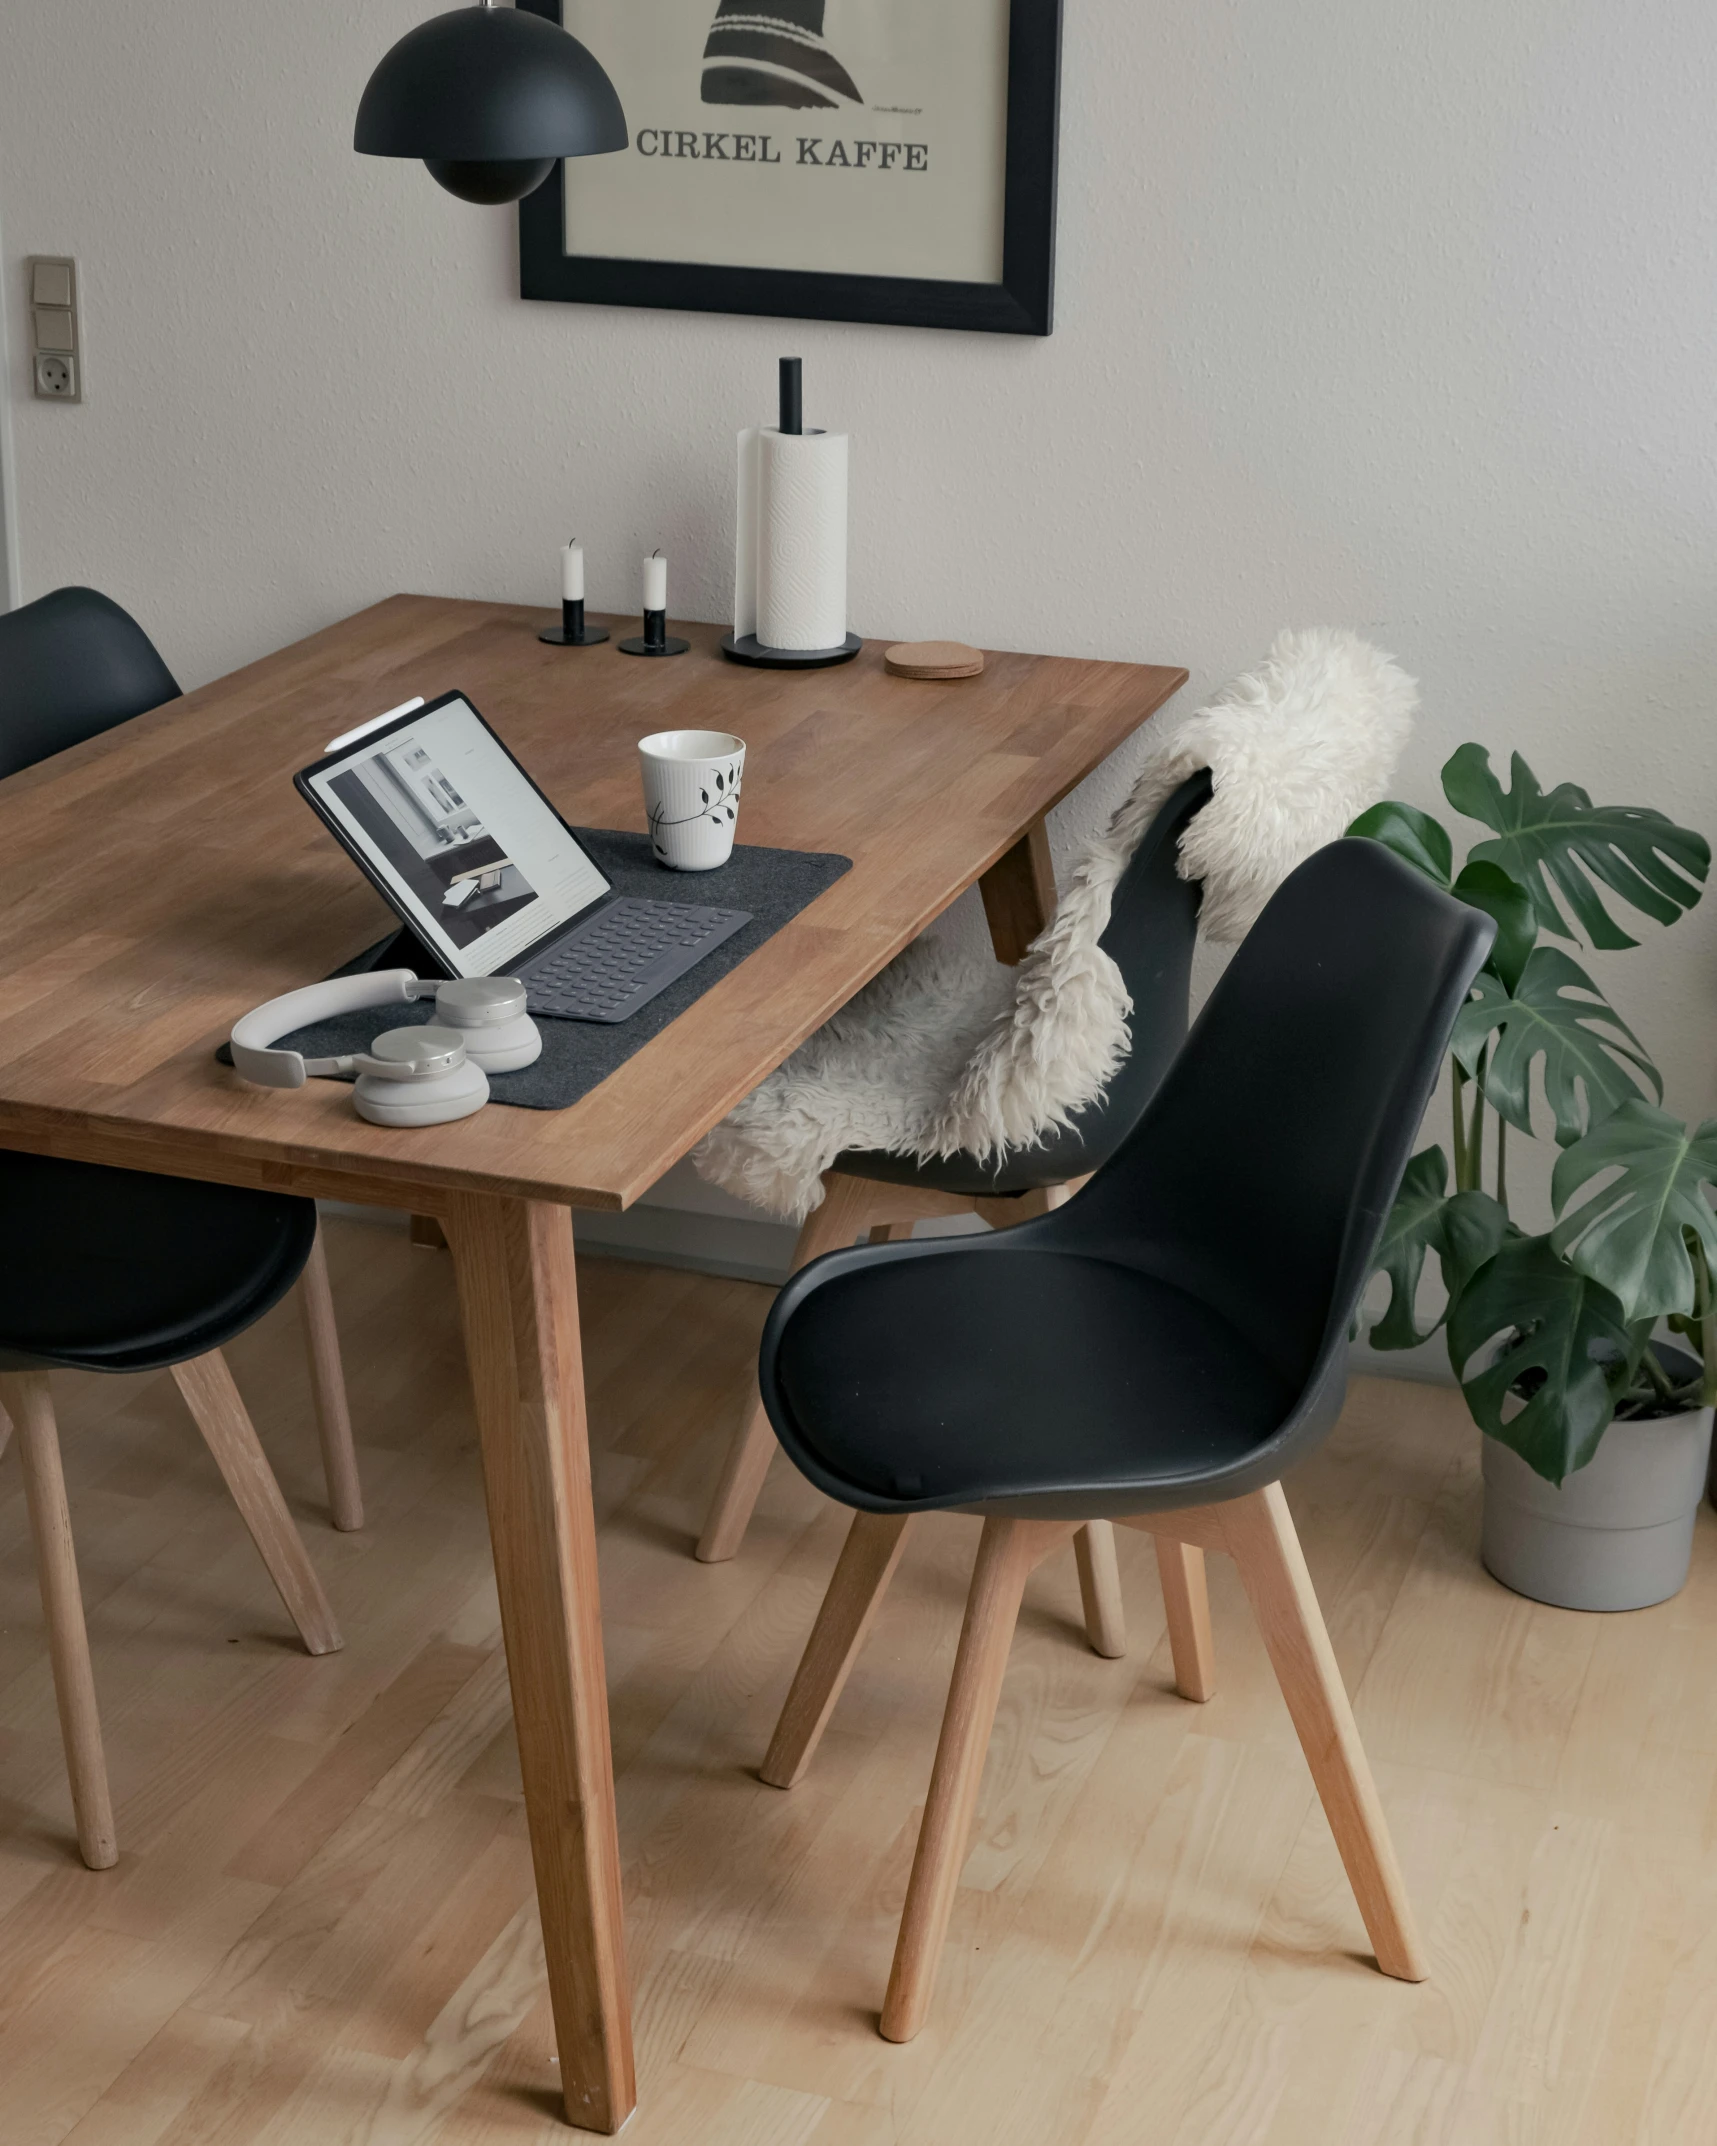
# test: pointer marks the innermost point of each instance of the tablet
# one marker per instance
(454, 836)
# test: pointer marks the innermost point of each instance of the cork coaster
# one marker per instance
(934, 659)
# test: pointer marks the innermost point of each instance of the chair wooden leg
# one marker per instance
(1021, 1207)
(837, 1222)
(856, 1588)
(28, 1401)
(741, 1486)
(1187, 1600)
(1006, 1554)
(1100, 1588)
(1026, 1206)
(328, 1384)
(213, 1400)
(1261, 1536)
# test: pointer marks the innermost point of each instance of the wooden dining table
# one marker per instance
(157, 881)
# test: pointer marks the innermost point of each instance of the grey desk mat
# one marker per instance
(774, 884)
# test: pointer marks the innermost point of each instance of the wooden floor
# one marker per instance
(321, 1926)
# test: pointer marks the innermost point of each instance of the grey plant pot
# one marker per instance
(1618, 1534)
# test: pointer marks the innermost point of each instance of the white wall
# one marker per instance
(8, 490)
(1396, 317)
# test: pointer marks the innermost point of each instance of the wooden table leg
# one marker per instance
(519, 1294)
(1019, 894)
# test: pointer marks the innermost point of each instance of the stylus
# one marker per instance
(363, 730)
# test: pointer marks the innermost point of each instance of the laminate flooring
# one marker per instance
(321, 1930)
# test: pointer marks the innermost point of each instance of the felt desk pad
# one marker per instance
(774, 884)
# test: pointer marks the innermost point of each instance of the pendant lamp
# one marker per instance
(491, 98)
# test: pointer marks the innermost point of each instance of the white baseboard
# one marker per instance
(747, 1248)
(1428, 1364)
(714, 1236)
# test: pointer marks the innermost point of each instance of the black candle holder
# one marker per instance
(655, 640)
(572, 631)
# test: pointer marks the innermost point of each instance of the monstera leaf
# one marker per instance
(1592, 1060)
(1506, 902)
(1629, 1235)
(1414, 836)
(1474, 1226)
(1414, 1228)
(1563, 1339)
(1559, 842)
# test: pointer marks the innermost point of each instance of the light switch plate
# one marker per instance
(50, 282)
(56, 345)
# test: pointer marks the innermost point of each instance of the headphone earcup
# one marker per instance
(422, 1102)
(505, 1046)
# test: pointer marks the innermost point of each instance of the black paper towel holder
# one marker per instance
(746, 647)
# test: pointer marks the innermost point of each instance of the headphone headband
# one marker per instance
(256, 1031)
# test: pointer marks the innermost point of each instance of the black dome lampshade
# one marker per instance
(491, 98)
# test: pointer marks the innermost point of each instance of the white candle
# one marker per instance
(572, 573)
(655, 582)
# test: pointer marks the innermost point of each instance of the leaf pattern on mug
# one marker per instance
(722, 813)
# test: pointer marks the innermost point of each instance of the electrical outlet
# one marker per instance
(56, 377)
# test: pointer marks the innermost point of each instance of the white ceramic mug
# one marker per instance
(692, 780)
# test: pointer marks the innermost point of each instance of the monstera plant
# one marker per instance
(1550, 1335)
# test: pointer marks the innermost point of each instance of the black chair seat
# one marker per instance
(1021, 1171)
(1068, 1151)
(1041, 1373)
(121, 1270)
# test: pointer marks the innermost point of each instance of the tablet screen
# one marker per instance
(456, 835)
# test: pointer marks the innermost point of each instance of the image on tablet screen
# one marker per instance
(436, 841)
(471, 852)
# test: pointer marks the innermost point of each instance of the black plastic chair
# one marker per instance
(72, 665)
(1151, 935)
(116, 1270)
(1158, 1351)
(120, 1270)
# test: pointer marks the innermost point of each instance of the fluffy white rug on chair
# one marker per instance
(942, 1053)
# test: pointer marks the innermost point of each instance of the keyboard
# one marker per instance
(606, 969)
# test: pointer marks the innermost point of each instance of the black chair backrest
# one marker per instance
(72, 665)
(1262, 1170)
(1151, 936)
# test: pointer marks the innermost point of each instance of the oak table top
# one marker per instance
(159, 880)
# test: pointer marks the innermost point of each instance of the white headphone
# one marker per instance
(409, 1076)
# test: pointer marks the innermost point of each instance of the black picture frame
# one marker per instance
(1022, 303)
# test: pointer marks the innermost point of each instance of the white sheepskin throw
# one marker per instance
(943, 1053)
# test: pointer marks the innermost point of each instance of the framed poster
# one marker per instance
(879, 160)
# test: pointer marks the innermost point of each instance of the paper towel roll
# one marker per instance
(745, 536)
(790, 579)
